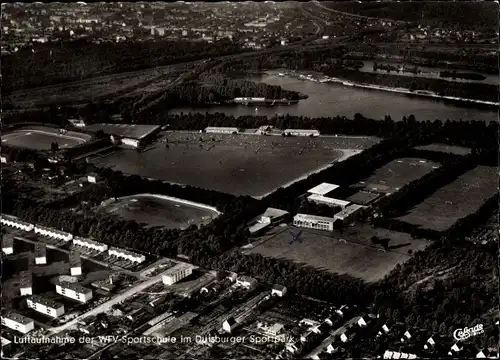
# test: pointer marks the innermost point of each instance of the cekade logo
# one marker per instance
(467, 332)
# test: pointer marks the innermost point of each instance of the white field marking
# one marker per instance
(26, 132)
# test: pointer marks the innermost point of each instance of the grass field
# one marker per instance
(159, 211)
(396, 174)
(237, 164)
(455, 200)
(41, 138)
(449, 149)
(355, 257)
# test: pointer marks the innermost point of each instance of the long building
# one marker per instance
(324, 200)
(313, 222)
(40, 254)
(221, 130)
(7, 245)
(18, 322)
(90, 244)
(301, 132)
(128, 255)
(176, 273)
(349, 212)
(53, 233)
(14, 222)
(270, 216)
(26, 283)
(74, 291)
(45, 306)
(323, 189)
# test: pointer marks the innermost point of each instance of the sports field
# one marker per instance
(356, 256)
(237, 164)
(161, 211)
(41, 138)
(396, 174)
(456, 200)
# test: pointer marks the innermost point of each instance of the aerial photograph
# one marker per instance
(250, 180)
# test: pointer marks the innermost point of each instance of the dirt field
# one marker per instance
(455, 200)
(449, 149)
(356, 257)
(41, 138)
(237, 164)
(396, 174)
(155, 211)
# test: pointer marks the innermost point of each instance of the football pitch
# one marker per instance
(37, 139)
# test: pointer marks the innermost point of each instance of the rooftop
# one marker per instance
(312, 217)
(7, 242)
(124, 130)
(56, 231)
(349, 210)
(301, 131)
(43, 301)
(178, 267)
(40, 250)
(17, 318)
(75, 287)
(323, 188)
(221, 128)
(363, 197)
(26, 278)
(321, 198)
(74, 259)
(126, 252)
(88, 241)
(273, 212)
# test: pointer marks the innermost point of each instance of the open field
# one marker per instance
(125, 130)
(41, 138)
(396, 174)
(455, 200)
(237, 164)
(449, 149)
(89, 90)
(157, 210)
(356, 256)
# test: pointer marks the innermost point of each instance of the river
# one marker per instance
(327, 99)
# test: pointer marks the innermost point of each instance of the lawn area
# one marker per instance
(158, 210)
(396, 174)
(237, 164)
(454, 201)
(356, 256)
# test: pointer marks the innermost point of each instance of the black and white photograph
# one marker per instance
(250, 180)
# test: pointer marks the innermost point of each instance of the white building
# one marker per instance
(74, 291)
(270, 216)
(8, 245)
(278, 290)
(324, 200)
(18, 322)
(271, 330)
(349, 212)
(77, 122)
(40, 254)
(313, 222)
(221, 130)
(128, 255)
(90, 244)
(45, 306)
(14, 222)
(53, 233)
(75, 264)
(92, 178)
(176, 273)
(397, 355)
(3, 159)
(301, 132)
(263, 130)
(323, 189)
(131, 142)
(229, 325)
(246, 282)
(26, 283)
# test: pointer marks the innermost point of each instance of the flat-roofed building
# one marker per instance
(278, 290)
(7, 245)
(75, 263)
(26, 283)
(313, 222)
(221, 130)
(53, 233)
(246, 282)
(349, 212)
(92, 178)
(176, 273)
(90, 244)
(323, 189)
(45, 306)
(270, 216)
(18, 322)
(74, 291)
(40, 254)
(364, 197)
(3, 159)
(324, 200)
(301, 132)
(16, 223)
(128, 255)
